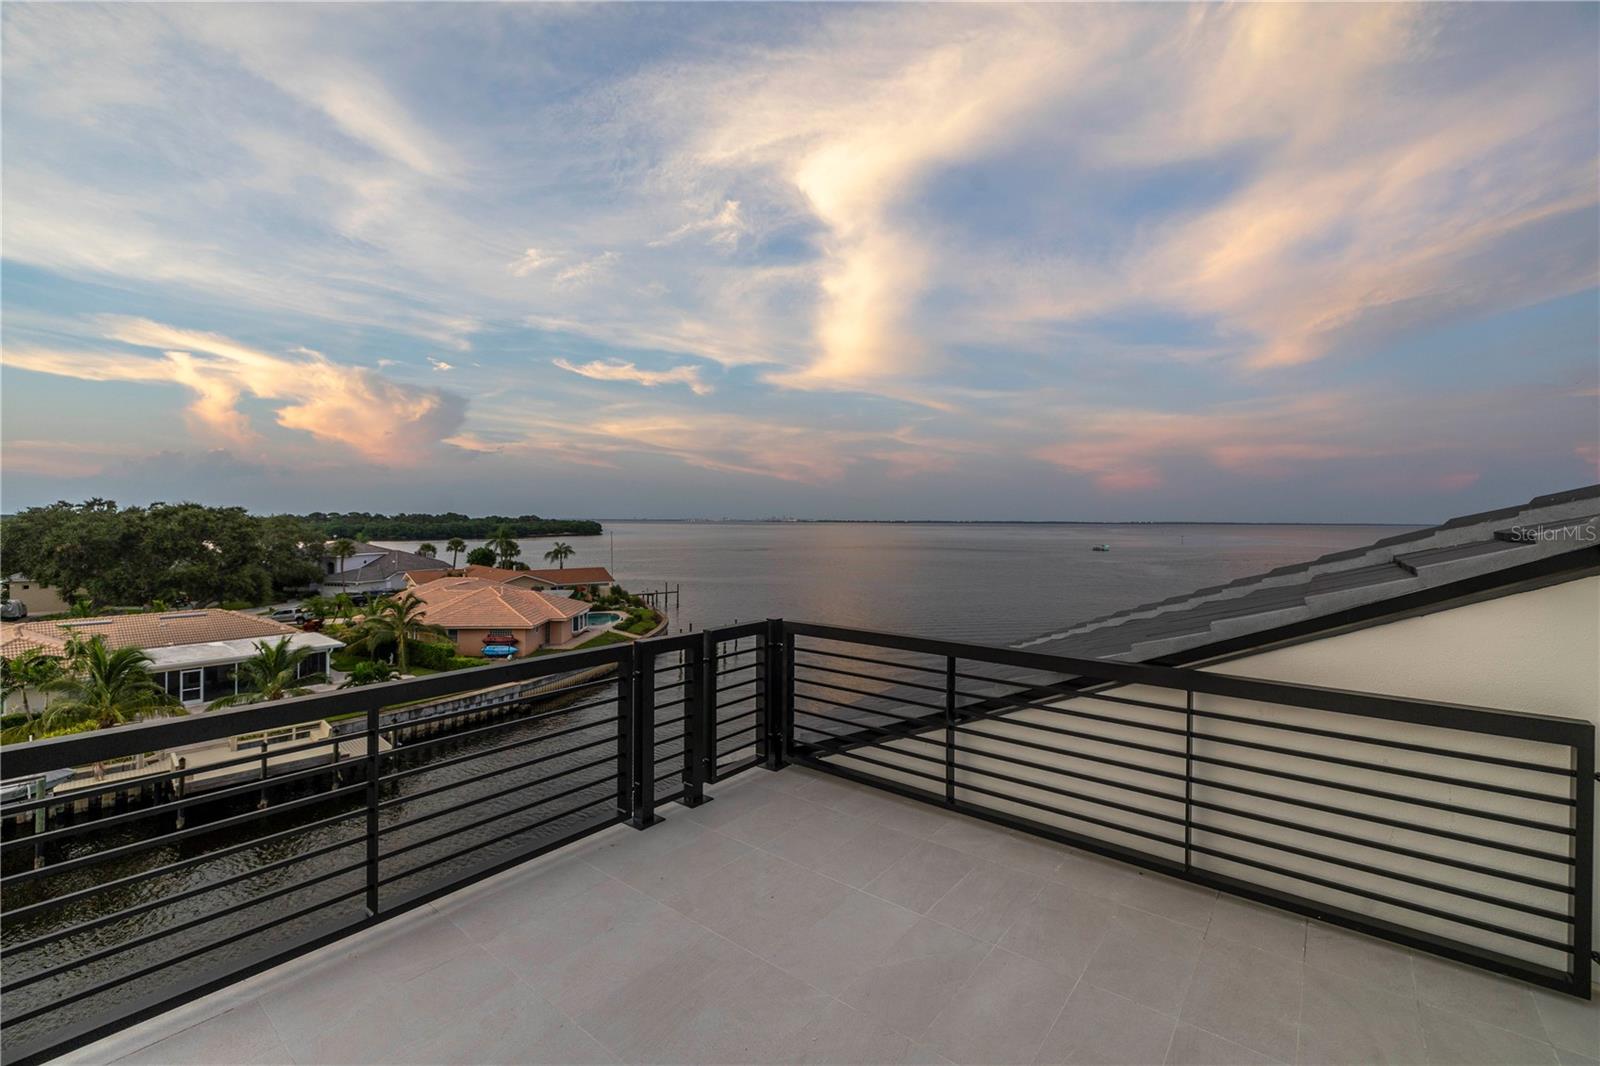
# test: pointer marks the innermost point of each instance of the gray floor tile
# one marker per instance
(1572, 1024)
(1457, 1040)
(756, 820)
(917, 976)
(757, 893)
(241, 1035)
(517, 1026)
(1346, 1021)
(1169, 897)
(986, 901)
(1247, 996)
(1060, 928)
(1572, 1058)
(1478, 994)
(582, 949)
(840, 1035)
(1087, 872)
(1100, 1027)
(681, 869)
(967, 834)
(1002, 1013)
(1359, 957)
(485, 910)
(922, 876)
(1258, 926)
(842, 944)
(1192, 1046)
(1147, 958)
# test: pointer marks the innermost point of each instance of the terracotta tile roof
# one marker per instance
(572, 575)
(152, 630)
(474, 603)
(575, 575)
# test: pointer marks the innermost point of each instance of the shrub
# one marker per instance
(430, 655)
(236, 605)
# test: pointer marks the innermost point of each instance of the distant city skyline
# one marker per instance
(1126, 262)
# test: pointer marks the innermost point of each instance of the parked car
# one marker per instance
(13, 610)
(292, 615)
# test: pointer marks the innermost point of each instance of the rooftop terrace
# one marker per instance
(802, 918)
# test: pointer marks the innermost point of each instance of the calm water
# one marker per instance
(990, 583)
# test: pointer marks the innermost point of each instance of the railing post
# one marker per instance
(773, 668)
(1583, 865)
(374, 714)
(625, 733)
(712, 670)
(950, 730)
(1188, 777)
(644, 737)
(699, 734)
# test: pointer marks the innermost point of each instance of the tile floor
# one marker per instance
(799, 918)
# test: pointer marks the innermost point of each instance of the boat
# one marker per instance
(1102, 548)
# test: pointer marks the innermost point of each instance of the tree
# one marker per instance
(272, 673)
(559, 554)
(427, 549)
(505, 546)
(483, 556)
(399, 621)
(369, 673)
(109, 688)
(318, 607)
(344, 606)
(32, 669)
(455, 546)
(342, 549)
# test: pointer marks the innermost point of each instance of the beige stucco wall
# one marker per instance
(470, 641)
(1536, 652)
(39, 599)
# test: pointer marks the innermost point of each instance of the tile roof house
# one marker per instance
(373, 569)
(193, 652)
(590, 578)
(478, 614)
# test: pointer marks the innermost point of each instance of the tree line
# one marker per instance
(360, 525)
(174, 555)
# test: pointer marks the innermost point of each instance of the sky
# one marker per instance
(1079, 262)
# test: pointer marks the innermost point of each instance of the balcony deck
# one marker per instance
(800, 918)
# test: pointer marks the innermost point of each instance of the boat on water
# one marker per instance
(1102, 547)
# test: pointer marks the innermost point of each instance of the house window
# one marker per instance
(577, 623)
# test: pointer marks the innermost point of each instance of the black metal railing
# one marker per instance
(132, 892)
(1458, 830)
(1461, 831)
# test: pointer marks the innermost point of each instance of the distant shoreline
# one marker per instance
(978, 522)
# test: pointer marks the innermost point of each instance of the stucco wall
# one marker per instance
(470, 641)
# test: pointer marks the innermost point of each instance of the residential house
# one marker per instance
(506, 619)
(594, 580)
(37, 599)
(194, 653)
(371, 570)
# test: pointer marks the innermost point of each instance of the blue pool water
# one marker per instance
(603, 618)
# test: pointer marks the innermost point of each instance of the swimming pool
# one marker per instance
(602, 618)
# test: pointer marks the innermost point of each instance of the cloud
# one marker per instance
(585, 271)
(601, 370)
(440, 364)
(531, 260)
(723, 228)
(381, 420)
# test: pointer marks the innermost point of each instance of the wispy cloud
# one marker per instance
(601, 370)
(381, 420)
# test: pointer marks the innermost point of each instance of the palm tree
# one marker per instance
(427, 549)
(344, 606)
(369, 673)
(32, 669)
(559, 554)
(455, 546)
(272, 673)
(110, 688)
(342, 549)
(398, 620)
(505, 546)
